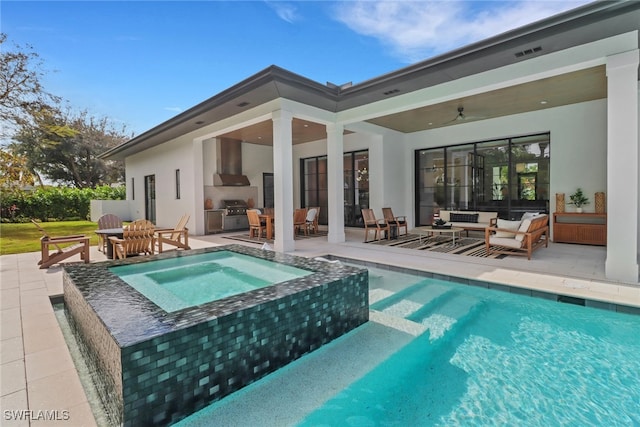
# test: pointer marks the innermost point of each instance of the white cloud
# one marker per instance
(173, 109)
(416, 30)
(285, 10)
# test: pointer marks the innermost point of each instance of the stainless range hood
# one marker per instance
(229, 164)
(227, 180)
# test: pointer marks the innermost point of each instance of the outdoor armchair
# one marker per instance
(177, 236)
(55, 249)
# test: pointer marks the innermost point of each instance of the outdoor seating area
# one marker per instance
(518, 237)
(305, 221)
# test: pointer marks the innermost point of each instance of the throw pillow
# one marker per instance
(524, 226)
(509, 225)
(529, 215)
(463, 217)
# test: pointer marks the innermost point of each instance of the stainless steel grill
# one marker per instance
(234, 207)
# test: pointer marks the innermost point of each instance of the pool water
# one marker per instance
(470, 356)
(494, 358)
(181, 282)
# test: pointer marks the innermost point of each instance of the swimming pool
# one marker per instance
(438, 352)
(177, 283)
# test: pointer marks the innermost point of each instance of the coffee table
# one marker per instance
(428, 231)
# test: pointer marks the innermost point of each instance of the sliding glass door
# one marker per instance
(510, 176)
(356, 185)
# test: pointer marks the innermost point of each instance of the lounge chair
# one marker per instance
(395, 221)
(105, 222)
(137, 238)
(177, 236)
(370, 222)
(65, 247)
(531, 234)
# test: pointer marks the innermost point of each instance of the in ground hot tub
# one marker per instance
(159, 365)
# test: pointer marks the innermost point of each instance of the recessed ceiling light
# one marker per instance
(543, 102)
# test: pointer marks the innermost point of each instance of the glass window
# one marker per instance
(509, 176)
(177, 183)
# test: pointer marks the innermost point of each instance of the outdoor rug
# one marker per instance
(259, 241)
(468, 246)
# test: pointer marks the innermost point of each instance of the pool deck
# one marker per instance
(38, 378)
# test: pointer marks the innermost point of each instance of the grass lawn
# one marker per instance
(20, 238)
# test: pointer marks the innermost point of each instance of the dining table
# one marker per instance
(106, 232)
(268, 219)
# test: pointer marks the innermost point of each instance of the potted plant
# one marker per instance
(578, 199)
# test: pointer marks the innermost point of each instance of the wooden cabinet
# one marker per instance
(584, 228)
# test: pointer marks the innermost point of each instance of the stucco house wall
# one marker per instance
(162, 161)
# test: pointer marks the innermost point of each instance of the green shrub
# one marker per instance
(54, 203)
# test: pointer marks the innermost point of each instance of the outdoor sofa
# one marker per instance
(470, 220)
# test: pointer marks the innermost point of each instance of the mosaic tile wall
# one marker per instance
(174, 364)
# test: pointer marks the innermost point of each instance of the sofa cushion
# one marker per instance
(508, 242)
(524, 227)
(486, 217)
(463, 217)
(509, 225)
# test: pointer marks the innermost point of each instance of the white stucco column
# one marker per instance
(197, 210)
(335, 182)
(283, 180)
(622, 167)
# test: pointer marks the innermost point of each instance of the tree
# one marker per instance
(14, 173)
(64, 148)
(21, 91)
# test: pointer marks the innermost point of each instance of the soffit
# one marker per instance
(580, 86)
(570, 88)
(302, 131)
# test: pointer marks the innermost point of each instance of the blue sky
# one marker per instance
(141, 63)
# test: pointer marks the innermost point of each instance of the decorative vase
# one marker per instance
(559, 202)
(579, 210)
(600, 202)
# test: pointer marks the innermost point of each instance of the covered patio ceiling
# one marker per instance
(570, 88)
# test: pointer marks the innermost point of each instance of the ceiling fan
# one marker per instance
(462, 117)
